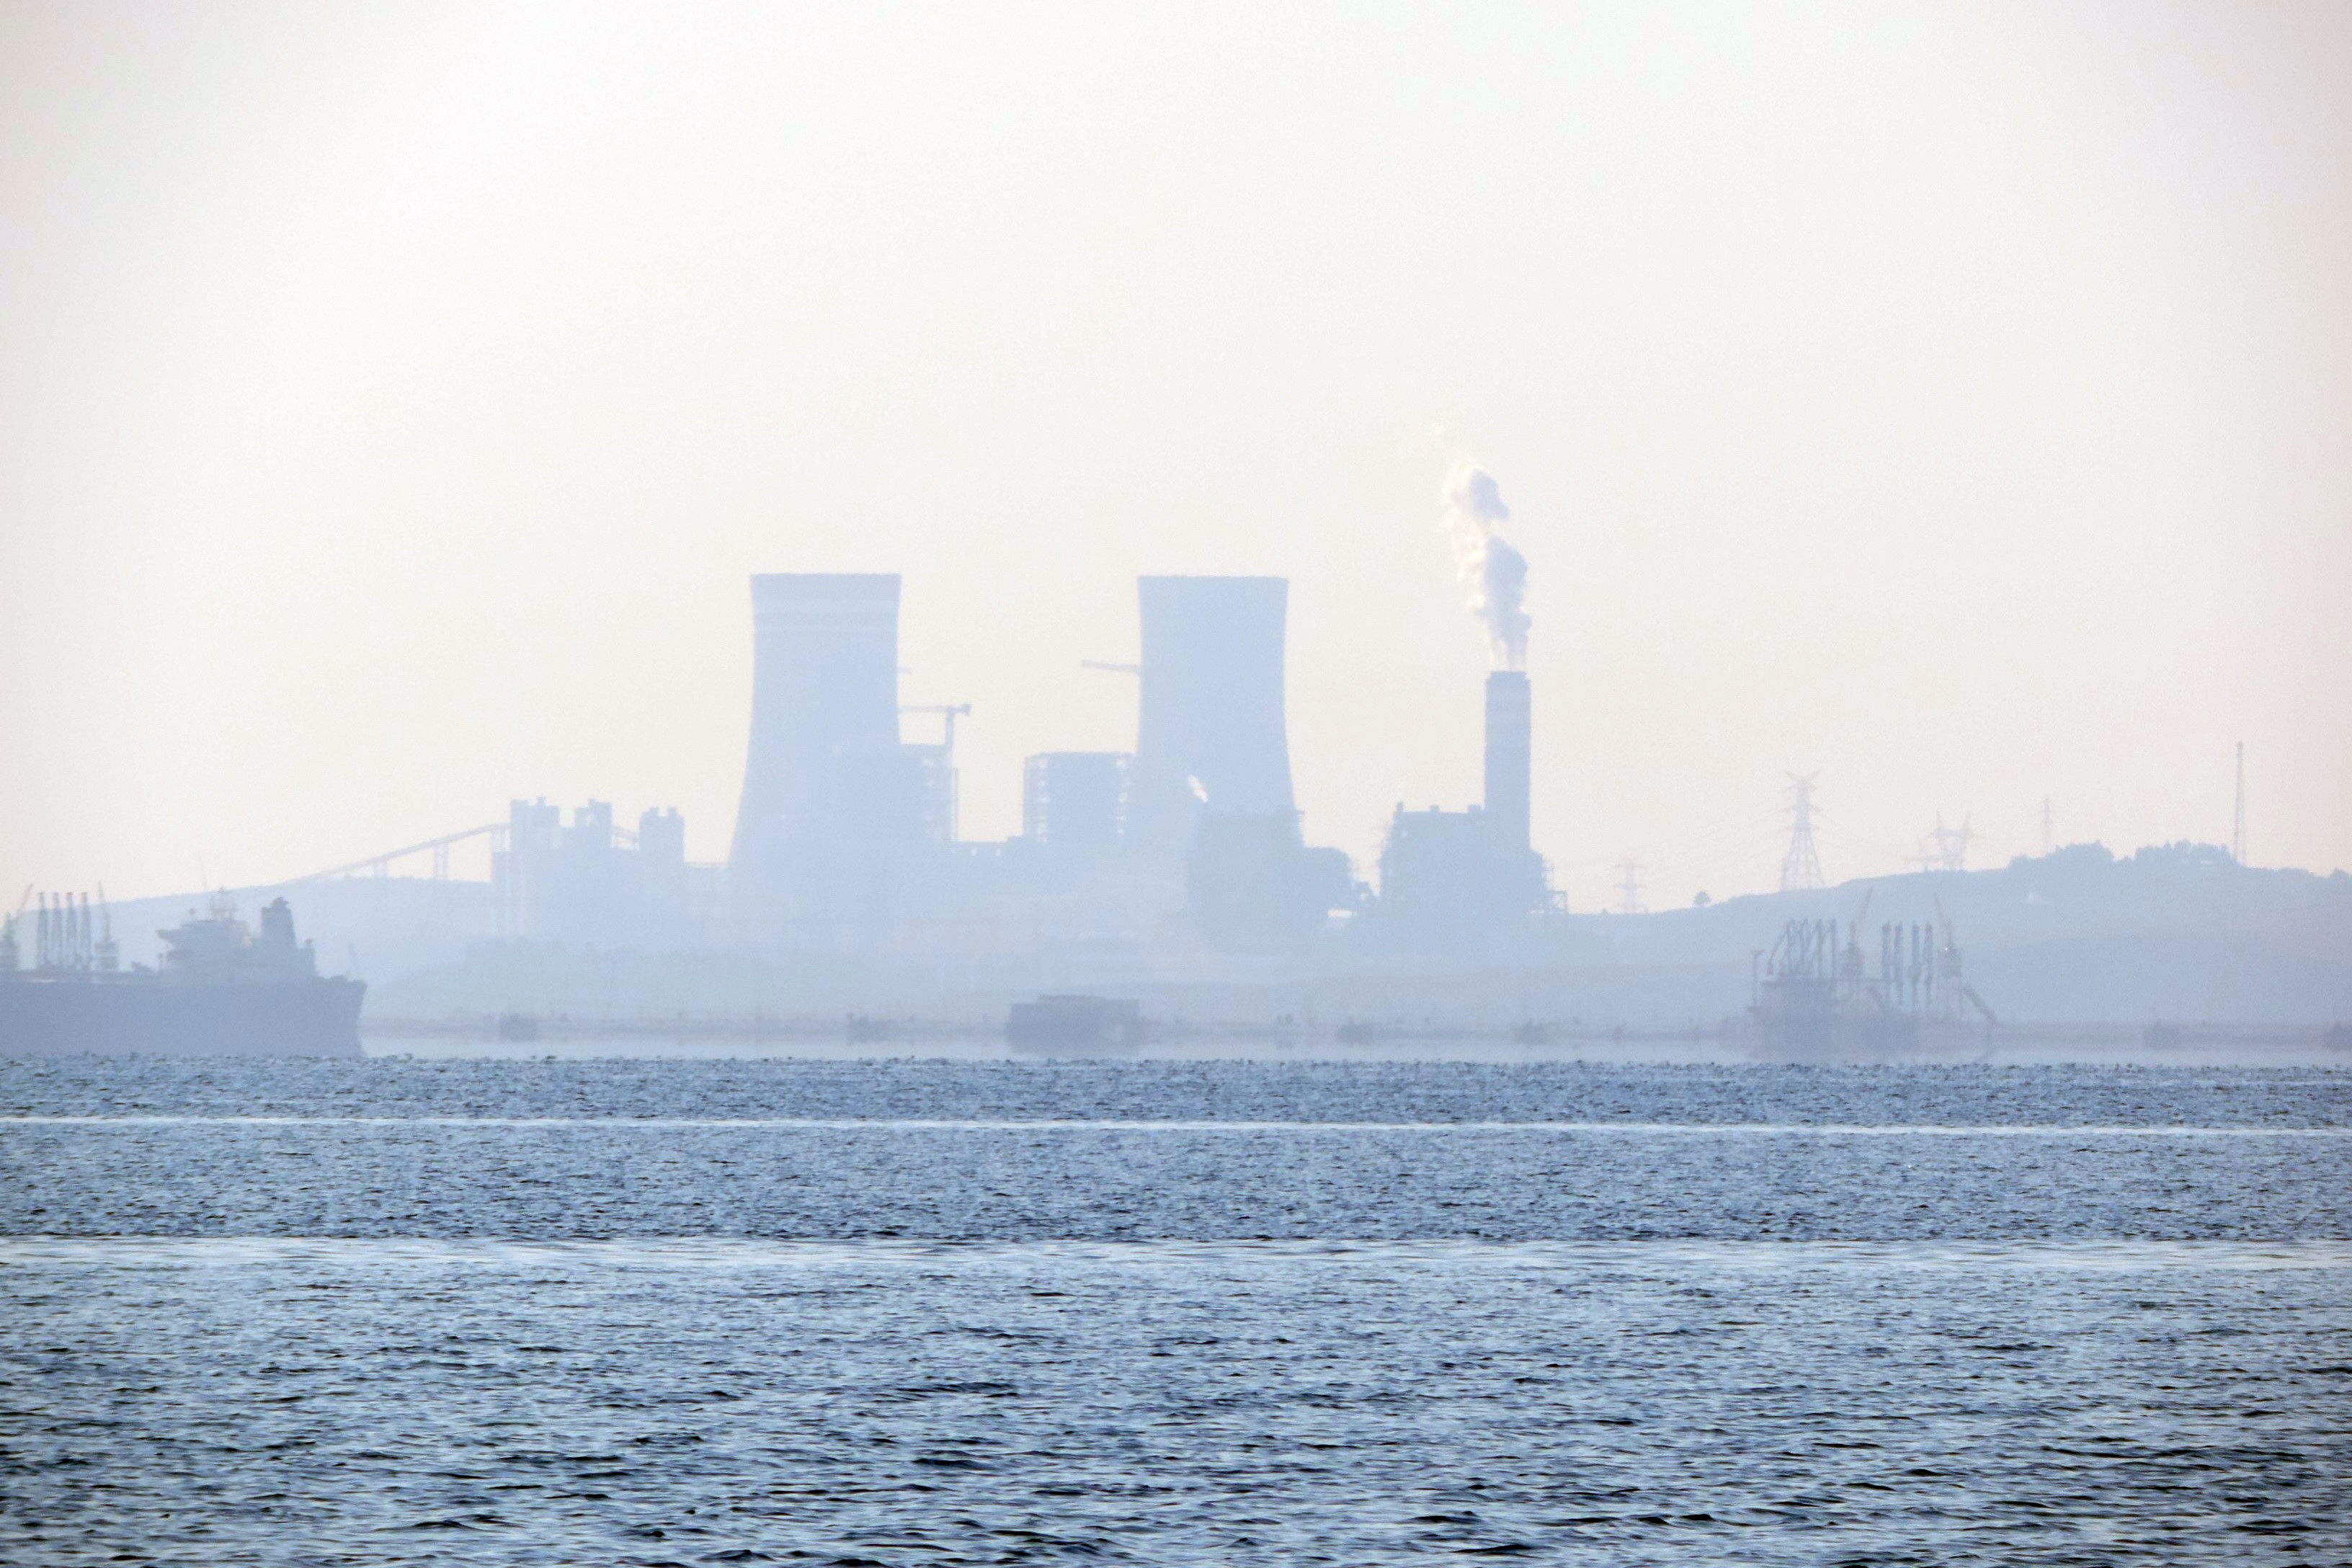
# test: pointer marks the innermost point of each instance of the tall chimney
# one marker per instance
(1509, 762)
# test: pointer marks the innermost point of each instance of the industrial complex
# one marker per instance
(846, 838)
(1181, 872)
(1188, 850)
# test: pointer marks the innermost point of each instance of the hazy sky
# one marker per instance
(1952, 401)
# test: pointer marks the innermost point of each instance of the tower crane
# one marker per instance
(948, 711)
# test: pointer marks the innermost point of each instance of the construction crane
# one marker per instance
(948, 711)
(1114, 668)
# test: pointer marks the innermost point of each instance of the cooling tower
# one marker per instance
(1509, 761)
(1210, 730)
(825, 707)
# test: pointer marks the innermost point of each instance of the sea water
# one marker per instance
(1214, 1312)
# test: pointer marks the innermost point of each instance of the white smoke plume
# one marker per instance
(1494, 575)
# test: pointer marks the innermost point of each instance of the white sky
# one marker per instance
(1950, 400)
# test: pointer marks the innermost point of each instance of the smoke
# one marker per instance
(1493, 574)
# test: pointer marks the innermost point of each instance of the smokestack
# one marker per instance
(1211, 728)
(825, 694)
(1511, 766)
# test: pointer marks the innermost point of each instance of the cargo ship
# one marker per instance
(222, 989)
(1076, 1026)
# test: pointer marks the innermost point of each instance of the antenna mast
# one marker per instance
(2238, 823)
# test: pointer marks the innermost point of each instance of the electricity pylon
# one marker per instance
(1801, 867)
(1629, 891)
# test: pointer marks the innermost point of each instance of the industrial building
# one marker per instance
(1074, 801)
(595, 883)
(1252, 886)
(1452, 880)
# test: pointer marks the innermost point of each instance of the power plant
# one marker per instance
(845, 837)
(1186, 848)
(1179, 866)
(1451, 880)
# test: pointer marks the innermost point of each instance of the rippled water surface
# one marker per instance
(1172, 1312)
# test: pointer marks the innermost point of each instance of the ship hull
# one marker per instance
(1075, 1026)
(230, 1018)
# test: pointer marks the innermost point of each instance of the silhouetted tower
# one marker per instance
(2045, 826)
(1949, 846)
(1801, 867)
(2238, 822)
(1629, 890)
(1511, 766)
(1210, 728)
(825, 719)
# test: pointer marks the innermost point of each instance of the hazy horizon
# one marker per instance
(1948, 402)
